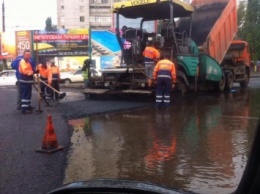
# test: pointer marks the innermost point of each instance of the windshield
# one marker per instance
(160, 101)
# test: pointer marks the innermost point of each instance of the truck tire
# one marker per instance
(67, 82)
(222, 83)
(182, 86)
(244, 83)
(229, 80)
(182, 83)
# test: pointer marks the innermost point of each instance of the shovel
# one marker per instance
(47, 103)
(61, 94)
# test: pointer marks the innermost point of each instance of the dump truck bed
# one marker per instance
(204, 19)
(214, 26)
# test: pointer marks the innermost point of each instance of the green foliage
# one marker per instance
(49, 26)
(241, 13)
(249, 26)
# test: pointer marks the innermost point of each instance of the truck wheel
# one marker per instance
(67, 82)
(222, 83)
(244, 83)
(229, 80)
(182, 87)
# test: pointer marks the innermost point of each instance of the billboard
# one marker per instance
(23, 41)
(7, 45)
(71, 42)
(107, 62)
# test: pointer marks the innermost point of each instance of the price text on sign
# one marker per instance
(23, 45)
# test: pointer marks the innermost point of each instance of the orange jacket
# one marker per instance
(25, 68)
(26, 71)
(151, 53)
(54, 74)
(44, 72)
(165, 68)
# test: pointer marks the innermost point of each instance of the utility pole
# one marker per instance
(3, 16)
(3, 27)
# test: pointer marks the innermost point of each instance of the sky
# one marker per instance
(28, 14)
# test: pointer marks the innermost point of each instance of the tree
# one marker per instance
(249, 26)
(241, 13)
(49, 26)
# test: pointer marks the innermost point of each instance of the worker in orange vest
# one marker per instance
(165, 74)
(44, 73)
(151, 57)
(54, 79)
(26, 72)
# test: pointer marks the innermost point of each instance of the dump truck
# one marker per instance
(199, 37)
(214, 28)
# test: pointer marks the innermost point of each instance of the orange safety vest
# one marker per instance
(44, 72)
(165, 68)
(26, 71)
(151, 53)
(55, 73)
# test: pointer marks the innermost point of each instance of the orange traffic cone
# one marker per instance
(49, 143)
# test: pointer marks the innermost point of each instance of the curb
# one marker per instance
(253, 75)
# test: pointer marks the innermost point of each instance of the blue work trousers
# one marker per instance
(45, 89)
(163, 90)
(26, 94)
(19, 96)
(55, 84)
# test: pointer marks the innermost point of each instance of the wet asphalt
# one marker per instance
(25, 171)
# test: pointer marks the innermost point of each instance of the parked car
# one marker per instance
(8, 78)
(75, 76)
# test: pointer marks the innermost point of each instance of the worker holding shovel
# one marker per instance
(44, 72)
(53, 82)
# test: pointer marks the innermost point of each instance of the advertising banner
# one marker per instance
(109, 62)
(23, 41)
(7, 45)
(72, 42)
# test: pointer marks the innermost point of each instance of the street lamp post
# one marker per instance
(3, 16)
(3, 27)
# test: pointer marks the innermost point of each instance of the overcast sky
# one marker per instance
(28, 14)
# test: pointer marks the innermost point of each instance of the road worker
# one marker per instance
(151, 57)
(44, 73)
(26, 72)
(165, 74)
(85, 73)
(54, 79)
(15, 65)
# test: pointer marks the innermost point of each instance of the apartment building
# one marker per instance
(96, 14)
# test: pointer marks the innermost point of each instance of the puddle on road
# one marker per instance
(199, 144)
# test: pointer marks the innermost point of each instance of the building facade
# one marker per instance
(96, 14)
